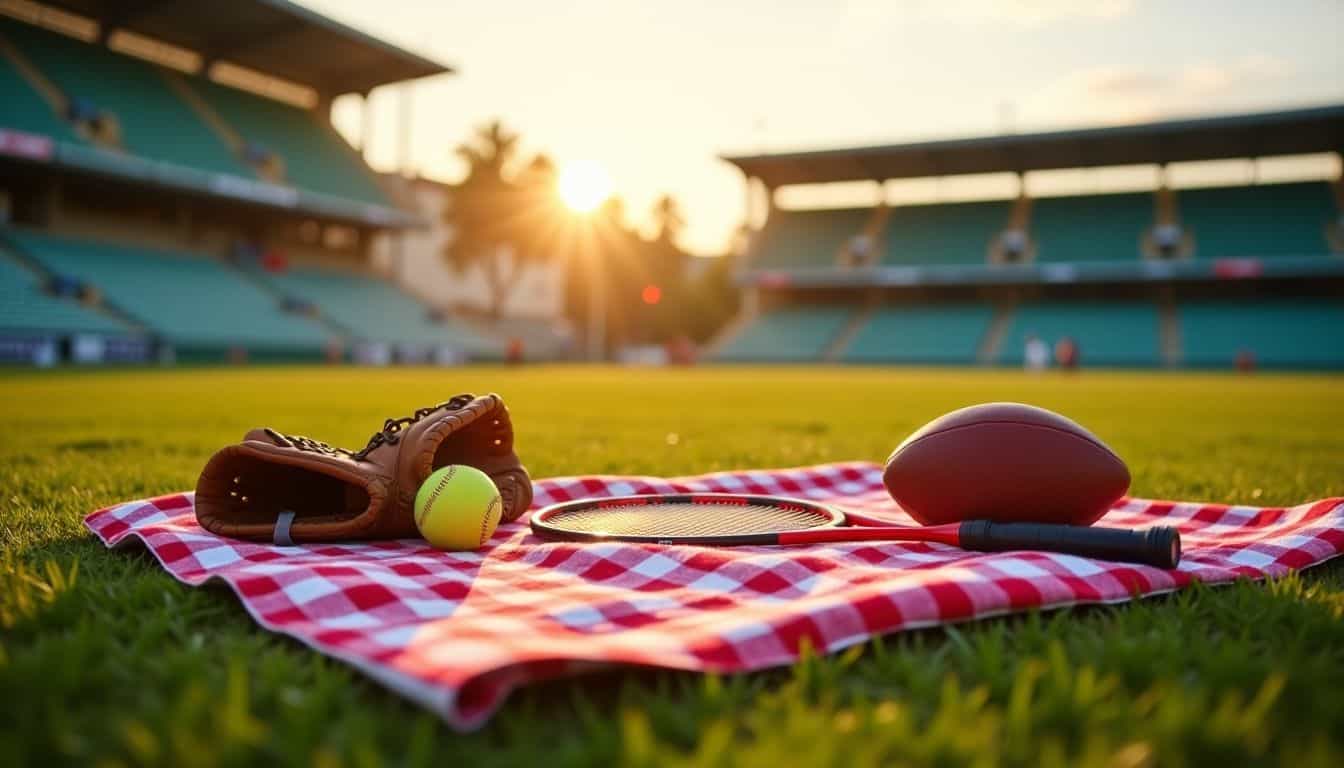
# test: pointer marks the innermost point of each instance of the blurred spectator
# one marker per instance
(255, 153)
(1067, 353)
(860, 246)
(1035, 355)
(298, 306)
(681, 351)
(513, 353)
(80, 110)
(1167, 240)
(274, 260)
(1013, 245)
(106, 128)
(66, 286)
(1245, 360)
(245, 252)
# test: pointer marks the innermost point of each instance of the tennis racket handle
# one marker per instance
(1159, 547)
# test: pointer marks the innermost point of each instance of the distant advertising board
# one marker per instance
(29, 146)
(34, 350)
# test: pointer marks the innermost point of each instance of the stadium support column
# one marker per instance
(749, 202)
(52, 206)
(366, 125)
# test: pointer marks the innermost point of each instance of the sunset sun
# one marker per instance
(584, 185)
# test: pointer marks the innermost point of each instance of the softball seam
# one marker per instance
(434, 495)
(485, 521)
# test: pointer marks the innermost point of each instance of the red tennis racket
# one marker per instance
(721, 519)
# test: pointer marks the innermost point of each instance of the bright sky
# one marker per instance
(653, 91)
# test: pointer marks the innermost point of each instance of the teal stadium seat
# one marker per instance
(25, 109)
(1108, 333)
(791, 335)
(372, 309)
(943, 233)
(193, 301)
(1092, 227)
(936, 334)
(1262, 220)
(155, 122)
(26, 308)
(1281, 333)
(315, 157)
(808, 238)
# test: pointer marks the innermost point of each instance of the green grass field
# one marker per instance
(104, 659)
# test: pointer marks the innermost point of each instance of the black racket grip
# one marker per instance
(1160, 546)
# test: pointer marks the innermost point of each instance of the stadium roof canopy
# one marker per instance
(274, 37)
(1300, 131)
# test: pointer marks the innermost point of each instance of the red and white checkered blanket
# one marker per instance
(457, 631)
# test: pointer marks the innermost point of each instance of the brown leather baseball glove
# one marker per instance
(289, 488)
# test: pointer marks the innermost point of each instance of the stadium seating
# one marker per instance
(795, 334)
(315, 157)
(1262, 220)
(193, 301)
(1108, 333)
(940, 334)
(944, 233)
(371, 309)
(808, 238)
(25, 109)
(24, 307)
(1280, 333)
(1091, 227)
(154, 122)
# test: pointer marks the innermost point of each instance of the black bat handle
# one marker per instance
(1160, 546)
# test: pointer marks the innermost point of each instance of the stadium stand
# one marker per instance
(943, 233)
(315, 157)
(192, 301)
(1108, 333)
(25, 108)
(935, 333)
(1299, 333)
(25, 306)
(154, 122)
(1261, 220)
(794, 334)
(370, 309)
(808, 238)
(1091, 227)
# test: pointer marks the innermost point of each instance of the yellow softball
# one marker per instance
(457, 507)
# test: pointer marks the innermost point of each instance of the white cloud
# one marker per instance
(1128, 95)
(1208, 77)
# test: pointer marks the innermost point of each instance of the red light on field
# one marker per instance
(651, 294)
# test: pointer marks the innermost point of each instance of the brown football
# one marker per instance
(1005, 462)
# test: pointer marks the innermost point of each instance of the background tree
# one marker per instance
(668, 220)
(668, 265)
(506, 214)
(500, 215)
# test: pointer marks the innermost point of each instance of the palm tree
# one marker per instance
(501, 219)
(668, 219)
(490, 150)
